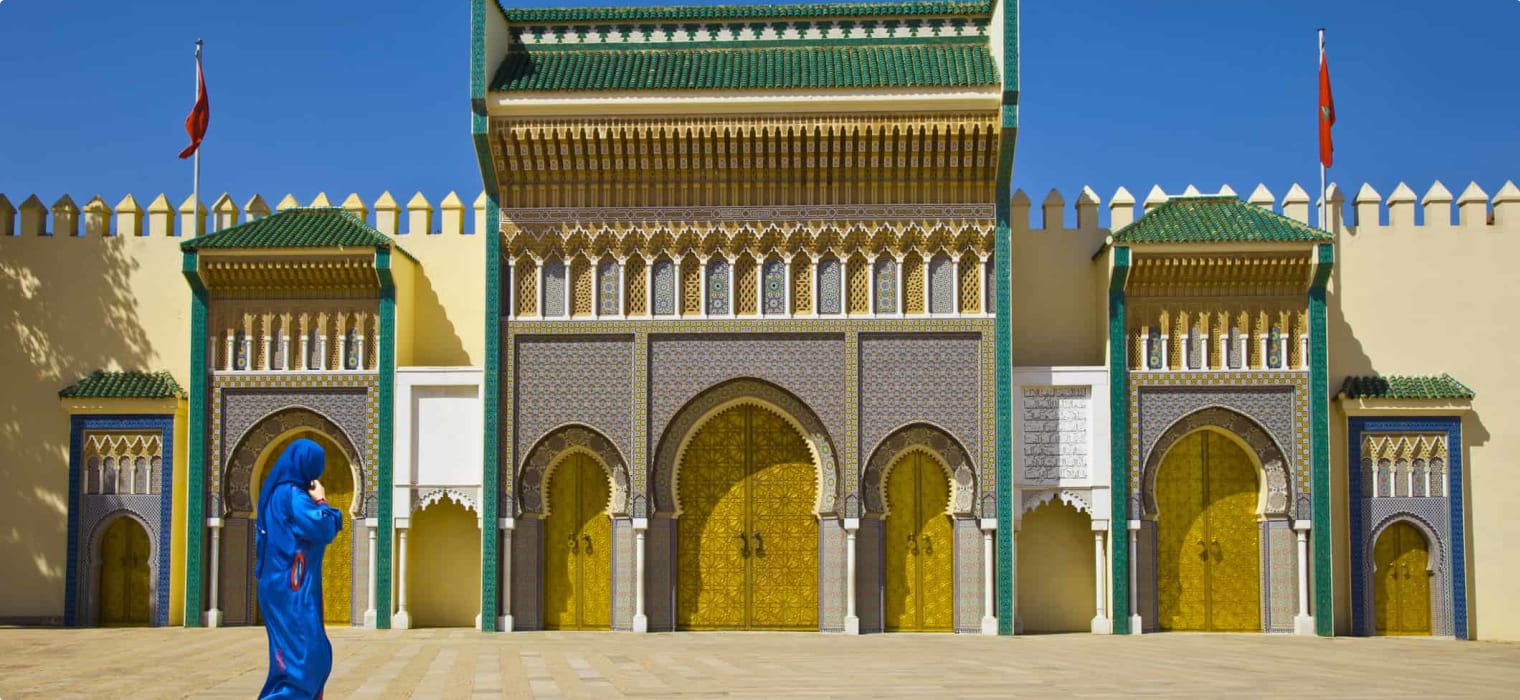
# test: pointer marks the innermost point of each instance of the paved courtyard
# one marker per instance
(229, 663)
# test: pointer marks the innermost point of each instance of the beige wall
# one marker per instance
(1058, 303)
(77, 303)
(1056, 569)
(1428, 299)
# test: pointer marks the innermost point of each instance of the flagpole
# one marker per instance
(1324, 205)
(195, 189)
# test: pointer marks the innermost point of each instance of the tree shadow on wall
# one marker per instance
(69, 308)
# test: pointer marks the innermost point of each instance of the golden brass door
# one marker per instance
(1207, 538)
(1401, 583)
(747, 541)
(123, 585)
(338, 560)
(577, 547)
(920, 589)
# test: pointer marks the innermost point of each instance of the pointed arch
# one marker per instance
(934, 441)
(551, 450)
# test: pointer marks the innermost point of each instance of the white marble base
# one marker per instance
(989, 625)
(402, 620)
(852, 625)
(504, 623)
(477, 622)
(1136, 625)
(641, 623)
(1304, 625)
(370, 619)
(213, 618)
(1101, 625)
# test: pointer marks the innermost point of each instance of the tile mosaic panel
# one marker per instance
(941, 285)
(664, 288)
(567, 379)
(775, 287)
(830, 298)
(935, 379)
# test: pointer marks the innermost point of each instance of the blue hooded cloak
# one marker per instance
(293, 534)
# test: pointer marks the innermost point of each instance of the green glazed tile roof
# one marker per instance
(940, 64)
(1216, 219)
(1442, 387)
(124, 385)
(701, 12)
(320, 227)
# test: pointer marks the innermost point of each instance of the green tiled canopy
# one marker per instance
(320, 227)
(1432, 387)
(124, 385)
(1217, 219)
(927, 64)
(706, 12)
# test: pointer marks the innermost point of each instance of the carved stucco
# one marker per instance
(558, 444)
(931, 439)
(1266, 450)
(236, 499)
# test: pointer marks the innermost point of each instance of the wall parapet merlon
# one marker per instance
(98, 219)
(1404, 208)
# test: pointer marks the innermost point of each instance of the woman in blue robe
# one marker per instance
(295, 525)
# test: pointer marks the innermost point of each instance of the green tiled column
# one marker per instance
(195, 458)
(1319, 432)
(1118, 406)
(490, 550)
(1003, 324)
(384, 468)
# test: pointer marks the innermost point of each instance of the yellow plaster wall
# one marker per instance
(1057, 292)
(443, 566)
(71, 305)
(448, 300)
(1428, 299)
(1056, 569)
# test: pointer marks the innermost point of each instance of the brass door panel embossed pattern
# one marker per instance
(577, 547)
(1207, 537)
(338, 560)
(747, 542)
(1402, 582)
(920, 589)
(124, 553)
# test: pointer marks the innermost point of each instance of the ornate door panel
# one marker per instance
(1234, 563)
(783, 585)
(577, 548)
(123, 585)
(712, 544)
(1181, 533)
(1402, 584)
(1208, 559)
(919, 567)
(338, 561)
(747, 549)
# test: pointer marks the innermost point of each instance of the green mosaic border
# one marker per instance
(490, 549)
(195, 458)
(385, 434)
(1003, 329)
(1319, 407)
(1118, 409)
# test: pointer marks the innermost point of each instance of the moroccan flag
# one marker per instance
(200, 114)
(1326, 111)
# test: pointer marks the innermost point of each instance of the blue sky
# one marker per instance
(338, 97)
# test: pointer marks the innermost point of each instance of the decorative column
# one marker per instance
(1100, 624)
(786, 287)
(214, 615)
(248, 340)
(649, 285)
(267, 321)
(570, 289)
(955, 285)
(870, 286)
(480, 529)
(813, 283)
(1303, 622)
(305, 363)
(1013, 577)
(511, 308)
(402, 620)
(541, 277)
(989, 587)
(902, 294)
(702, 293)
(622, 286)
(640, 620)
(851, 619)
(733, 271)
(504, 620)
(321, 339)
(371, 524)
(981, 289)
(285, 342)
(361, 325)
(1135, 622)
(231, 353)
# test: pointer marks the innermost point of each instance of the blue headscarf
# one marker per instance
(302, 463)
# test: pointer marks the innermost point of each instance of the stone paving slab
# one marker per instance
(449, 664)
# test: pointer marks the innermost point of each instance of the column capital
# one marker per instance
(1100, 526)
(640, 524)
(851, 524)
(506, 523)
(213, 523)
(372, 523)
(1134, 525)
(403, 523)
(1302, 525)
(988, 524)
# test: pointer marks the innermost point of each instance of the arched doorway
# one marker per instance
(1401, 583)
(443, 565)
(338, 560)
(124, 574)
(578, 546)
(1207, 536)
(1055, 569)
(747, 536)
(920, 552)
